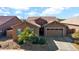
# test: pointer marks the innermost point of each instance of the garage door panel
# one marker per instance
(54, 32)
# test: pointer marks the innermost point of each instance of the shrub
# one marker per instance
(24, 36)
(28, 35)
(33, 39)
(21, 42)
(42, 40)
(37, 40)
(75, 35)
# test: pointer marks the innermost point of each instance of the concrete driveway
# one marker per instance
(62, 44)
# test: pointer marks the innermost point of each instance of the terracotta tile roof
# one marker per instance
(72, 20)
(49, 19)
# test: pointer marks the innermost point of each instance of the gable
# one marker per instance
(55, 24)
(41, 21)
(30, 25)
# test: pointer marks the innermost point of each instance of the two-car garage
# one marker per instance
(55, 29)
(54, 32)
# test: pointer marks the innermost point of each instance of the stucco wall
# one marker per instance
(58, 26)
(34, 28)
(15, 28)
(73, 27)
(22, 26)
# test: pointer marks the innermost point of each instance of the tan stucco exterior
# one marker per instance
(72, 23)
(15, 28)
(53, 25)
(60, 29)
(33, 27)
(75, 27)
(22, 26)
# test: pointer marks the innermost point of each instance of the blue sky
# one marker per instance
(61, 12)
(25, 8)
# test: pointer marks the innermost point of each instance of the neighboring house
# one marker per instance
(6, 22)
(44, 26)
(16, 28)
(20, 27)
(72, 23)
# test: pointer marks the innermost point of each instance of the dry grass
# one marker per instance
(76, 45)
(9, 44)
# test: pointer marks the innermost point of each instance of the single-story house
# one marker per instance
(6, 22)
(72, 23)
(47, 26)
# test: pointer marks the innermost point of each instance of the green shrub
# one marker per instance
(24, 36)
(42, 40)
(33, 39)
(75, 35)
(37, 40)
(28, 35)
(20, 42)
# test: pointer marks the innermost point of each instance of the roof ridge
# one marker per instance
(7, 20)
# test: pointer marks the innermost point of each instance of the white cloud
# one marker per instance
(18, 12)
(4, 12)
(20, 17)
(5, 15)
(51, 11)
(17, 4)
(24, 4)
(76, 14)
(1, 11)
(7, 12)
(32, 13)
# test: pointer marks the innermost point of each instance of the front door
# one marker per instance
(41, 31)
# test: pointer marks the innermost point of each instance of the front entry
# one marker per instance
(41, 31)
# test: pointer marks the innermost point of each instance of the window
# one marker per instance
(72, 30)
(18, 31)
